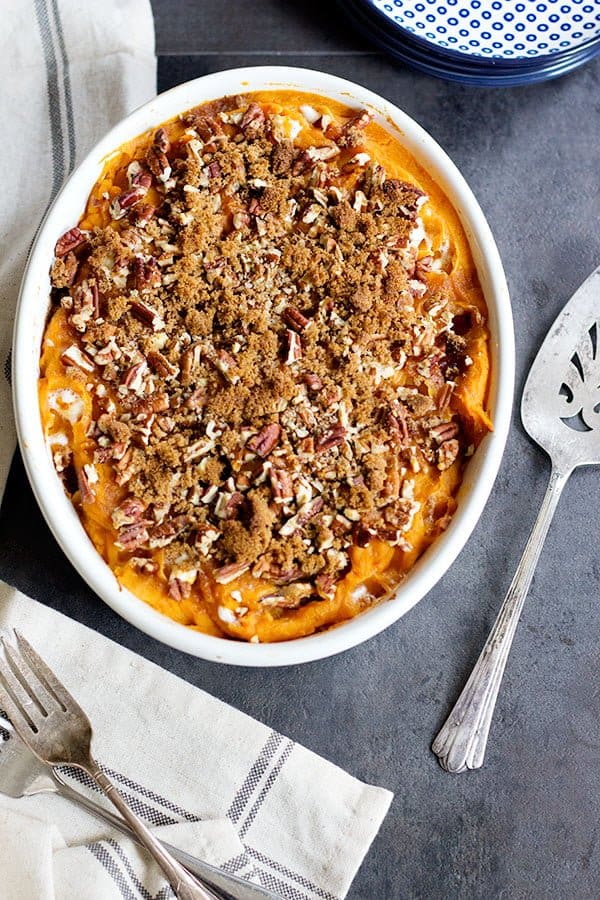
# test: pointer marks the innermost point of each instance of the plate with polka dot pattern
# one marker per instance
(484, 41)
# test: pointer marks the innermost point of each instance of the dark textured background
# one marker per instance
(526, 825)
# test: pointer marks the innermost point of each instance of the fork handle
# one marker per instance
(185, 887)
(230, 886)
(461, 742)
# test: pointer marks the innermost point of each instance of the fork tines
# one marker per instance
(29, 689)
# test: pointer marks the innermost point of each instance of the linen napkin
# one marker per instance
(208, 778)
(68, 72)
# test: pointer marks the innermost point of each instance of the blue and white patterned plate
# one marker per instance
(484, 41)
(503, 29)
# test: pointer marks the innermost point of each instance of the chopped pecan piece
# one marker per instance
(447, 454)
(146, 274)
(143, 564)
(396, 424)
(445, 395)
(293, 350)
(294, 318)
(206, 126)
(64, 270)
(306, 512)
(332, 438)
(161, 364)
(70, 240)
(73, 356)
(179, 590)
(226, 574)
(290, 597)
(312, 381)
(143, 213)
(307, 158)
(84, 482)
(85, 304)
(161, 140)
(132, 537)
(164, 534)
(147, 314)
(252, 120)
(226, 364)
(281, 484)
(158, 163)
(125, 201)
(326, 585)
(360, 120)
(196, 400)
(444, 432)
(362, 535)
(134, 376)
(129, 512)
(265, 441)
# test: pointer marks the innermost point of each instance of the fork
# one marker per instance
(55, 728)
(23, 775)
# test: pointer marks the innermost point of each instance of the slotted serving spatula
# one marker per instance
(560, 410)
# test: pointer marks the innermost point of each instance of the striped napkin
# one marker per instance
(208, 778)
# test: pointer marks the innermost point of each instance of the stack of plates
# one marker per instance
(484, 42)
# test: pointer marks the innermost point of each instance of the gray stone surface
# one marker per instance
(526, 825)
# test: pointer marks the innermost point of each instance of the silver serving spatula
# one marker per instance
(560, 410)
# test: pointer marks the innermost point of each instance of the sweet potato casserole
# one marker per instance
(266, 364)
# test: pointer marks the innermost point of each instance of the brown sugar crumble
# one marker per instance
(272, 367)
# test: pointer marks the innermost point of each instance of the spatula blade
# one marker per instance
(560, 407)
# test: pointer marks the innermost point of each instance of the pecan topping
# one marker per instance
(270, 355)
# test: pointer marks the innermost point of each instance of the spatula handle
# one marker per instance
(461, 743)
